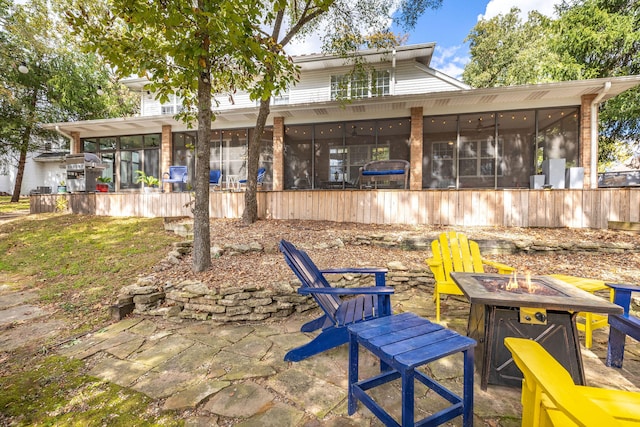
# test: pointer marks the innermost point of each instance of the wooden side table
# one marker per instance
(404, 342)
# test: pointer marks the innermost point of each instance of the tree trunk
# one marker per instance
(201, 228)
(24, 147)
(250, 214)
(15, 197)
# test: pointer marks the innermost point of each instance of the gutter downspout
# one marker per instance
(594, 133)
(393, 73)
(72, 140)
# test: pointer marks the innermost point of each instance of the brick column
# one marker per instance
(76, 146)
(166, 150)
(415, 181)
(584, 159)
(278, 153)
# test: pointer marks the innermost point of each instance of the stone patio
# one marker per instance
(234, 374)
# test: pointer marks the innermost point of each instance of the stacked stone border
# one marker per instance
(195, 300)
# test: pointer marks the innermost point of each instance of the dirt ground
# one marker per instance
(319, 239)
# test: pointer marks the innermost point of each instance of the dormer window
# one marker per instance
(360, 86)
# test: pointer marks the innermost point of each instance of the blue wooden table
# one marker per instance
(404, 342)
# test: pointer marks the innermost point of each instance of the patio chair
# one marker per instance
(453, 252)
(551, 398)
(176, 175)
(261, 173)
(215, 179)
(366, 303)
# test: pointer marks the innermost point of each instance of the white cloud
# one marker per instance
(450, 60)
(310, 44)
(497, 7)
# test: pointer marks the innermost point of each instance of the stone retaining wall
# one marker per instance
(195, 300)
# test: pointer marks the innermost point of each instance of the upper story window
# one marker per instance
(381, 82)
(377, 83)
(280, 99)
(174, 106)
(339, 87)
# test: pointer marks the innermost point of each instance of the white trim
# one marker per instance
(437, 74)
(594, 133)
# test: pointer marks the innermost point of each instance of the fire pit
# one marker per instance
(536, 307)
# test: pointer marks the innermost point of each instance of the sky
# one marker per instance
(448, 27)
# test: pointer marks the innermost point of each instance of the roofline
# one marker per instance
(586, 87)
(420, 52)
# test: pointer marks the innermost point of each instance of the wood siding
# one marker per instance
(510, 208)
(315, 86)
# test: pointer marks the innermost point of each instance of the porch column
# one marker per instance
(585, 154)
(278, 154)
(165, 154)
(415, 180)
(75, 147)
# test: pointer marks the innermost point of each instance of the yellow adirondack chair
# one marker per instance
(551, 398)
(588, 322)
(453, 252)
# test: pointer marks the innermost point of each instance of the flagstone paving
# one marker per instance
(235, 374)
(223, 375)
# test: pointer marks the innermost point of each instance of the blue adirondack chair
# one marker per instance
(176, 175)
(261, 173)
(215, 179)
(367, 303)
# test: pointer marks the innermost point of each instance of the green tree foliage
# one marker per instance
(506, 51)
(193, 49)
(601, 38)
(60, 85)
(589, 39)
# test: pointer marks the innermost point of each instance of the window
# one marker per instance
(280, 99)
(152, 140)
(381, 83)
(174, 106)
(124, 155)
(360, 85)
(339, 87)
(443, 157)
(108, 144)
(477, 158)
(131, 142)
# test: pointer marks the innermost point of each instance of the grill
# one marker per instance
(543, 309)
(83, 171)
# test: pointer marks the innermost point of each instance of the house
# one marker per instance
(453, 136)
(43, 172)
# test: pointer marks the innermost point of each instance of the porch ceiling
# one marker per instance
(449, 102)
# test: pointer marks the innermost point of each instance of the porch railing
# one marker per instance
(513, 208)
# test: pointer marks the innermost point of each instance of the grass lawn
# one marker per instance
(77, 265)
(7, 207)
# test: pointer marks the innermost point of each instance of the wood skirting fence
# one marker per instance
(512, 208)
